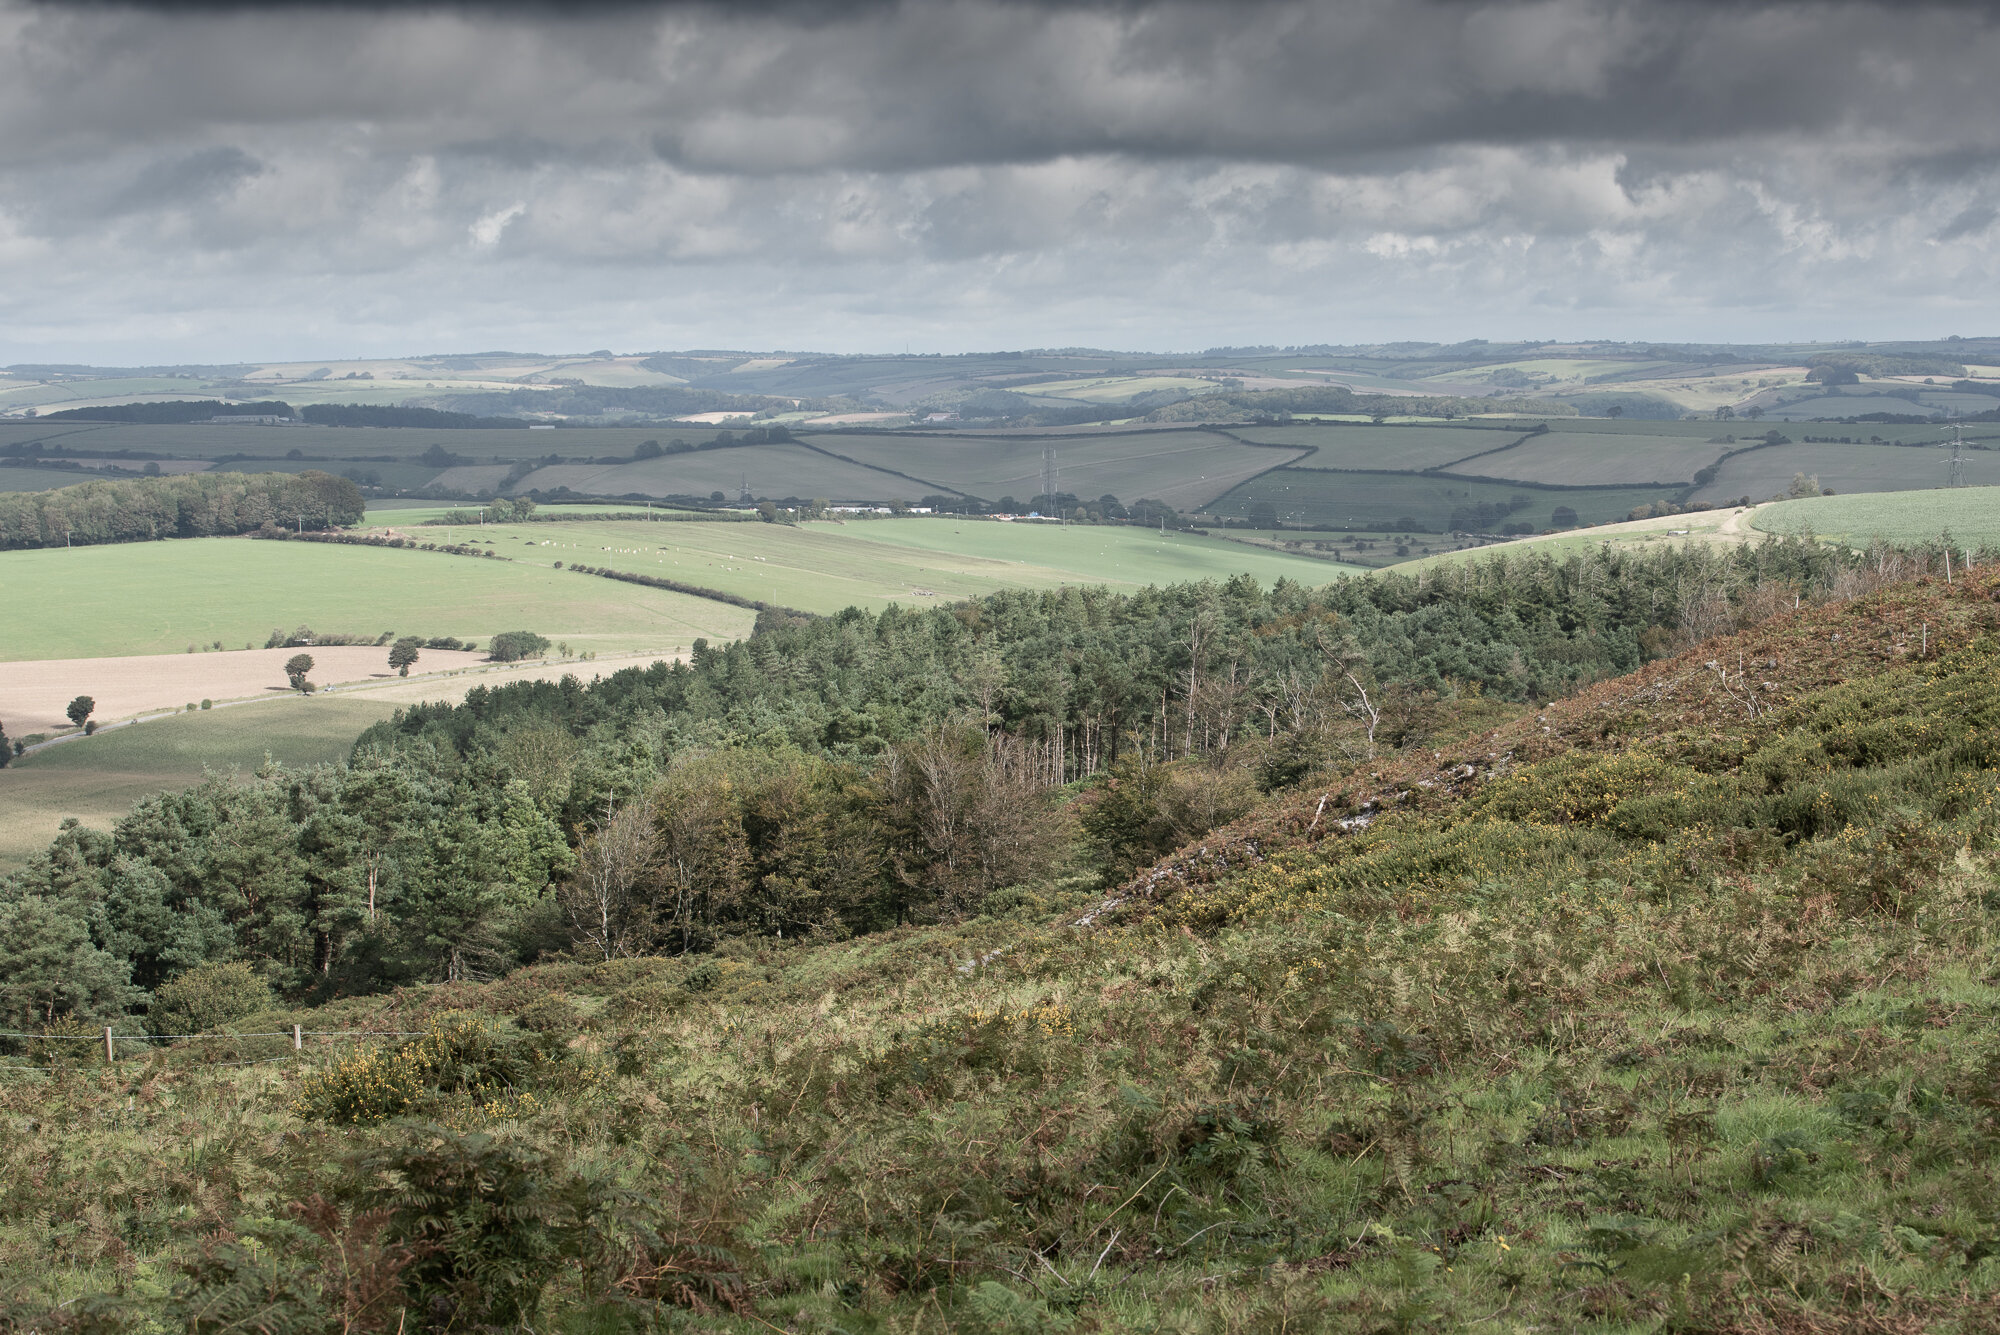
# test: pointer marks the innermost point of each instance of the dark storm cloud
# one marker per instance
(1169, 166)
(881, 86)
(193, 179)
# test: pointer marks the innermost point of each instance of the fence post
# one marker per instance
(298, 1040)
(110, 1052)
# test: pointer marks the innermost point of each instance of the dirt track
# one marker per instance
(34, 694)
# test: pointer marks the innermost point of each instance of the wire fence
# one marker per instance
(105, 1046)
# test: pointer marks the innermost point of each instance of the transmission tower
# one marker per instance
(1957, 458)
(1049, 476)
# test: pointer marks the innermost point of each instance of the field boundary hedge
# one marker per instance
(938, 488)
(694, 590)
(1525, 437)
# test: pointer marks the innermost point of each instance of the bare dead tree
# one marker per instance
(605, 899)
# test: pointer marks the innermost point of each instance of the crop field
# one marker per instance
(1873, 396)
(159, 597)
(40, 479)
(1368, 551)
(15, 394)
(768, 470)
(1112, 389)
(409, 511)
(1562, 368)
(1388, 448)
(1971, 515)
(1723, 527)
(13, 433)
(1381, 502)
(1765, 473)
(324, 444)
(1622, 426)
(466, 477)
(1104, 554)
(1576, 459)
(1185, 469)
(824, 567)
(98, 779)
(33, 692)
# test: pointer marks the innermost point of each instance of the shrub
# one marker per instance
(491, 1224)
(325, 1268)
(208, 997)
(208, 704)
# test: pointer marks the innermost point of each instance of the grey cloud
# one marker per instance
(195, 178)
(1023, 172)
(779, 88)
(1972, 221)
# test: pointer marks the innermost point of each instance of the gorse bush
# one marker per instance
(462, 1069)
(207, 997)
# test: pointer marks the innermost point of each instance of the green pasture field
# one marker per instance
(1388, 448)
(1379, 502)
(1766, 473)
(1573, 458)
(824, 567)
(1183, 468)
(1971, 515)
(98, 779)
(158, 597)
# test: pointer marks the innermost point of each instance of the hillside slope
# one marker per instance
(1667, 1006)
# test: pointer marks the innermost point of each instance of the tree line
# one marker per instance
(188, 505)
(830, 775)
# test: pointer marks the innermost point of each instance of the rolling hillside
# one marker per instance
(1664, 1006)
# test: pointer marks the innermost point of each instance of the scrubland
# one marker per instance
(1667, 1005)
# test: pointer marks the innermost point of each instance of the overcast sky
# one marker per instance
(247, 181)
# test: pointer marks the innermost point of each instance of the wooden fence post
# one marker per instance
(298, 1040)
(110, 1051)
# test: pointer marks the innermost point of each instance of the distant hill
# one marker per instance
(169, 412)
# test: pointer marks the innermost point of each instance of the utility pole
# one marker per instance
(1957, 457)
